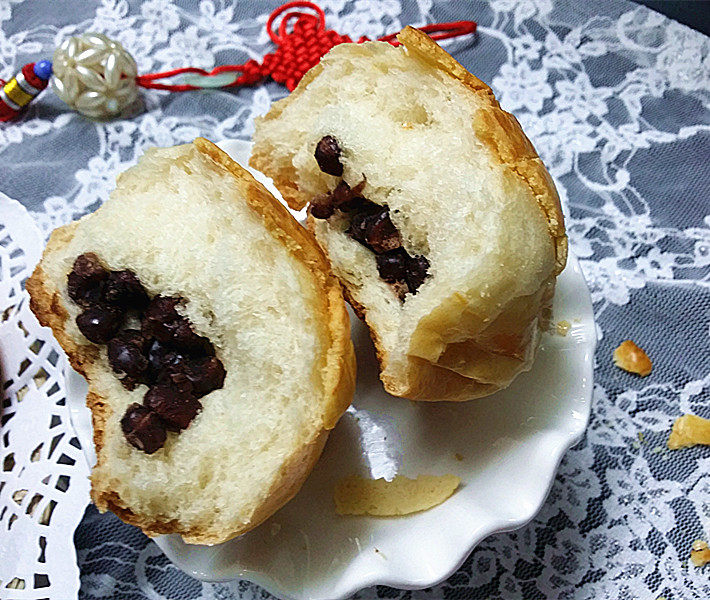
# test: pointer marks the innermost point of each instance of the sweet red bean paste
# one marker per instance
(164, 352)
(370, 224)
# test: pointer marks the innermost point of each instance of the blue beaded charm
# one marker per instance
(43, 69)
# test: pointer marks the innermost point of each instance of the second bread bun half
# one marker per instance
(191, 223)
(434, 209)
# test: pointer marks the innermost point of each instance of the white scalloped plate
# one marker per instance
(506, 449)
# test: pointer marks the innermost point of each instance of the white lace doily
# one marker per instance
(44, 476)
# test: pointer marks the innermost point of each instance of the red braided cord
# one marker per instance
(296, 52)
(306, 17)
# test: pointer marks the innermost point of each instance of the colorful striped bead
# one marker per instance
(22, 88)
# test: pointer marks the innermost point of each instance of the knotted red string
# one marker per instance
(297, 51)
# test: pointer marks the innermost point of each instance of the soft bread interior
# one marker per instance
(181, 223)
(407, 128)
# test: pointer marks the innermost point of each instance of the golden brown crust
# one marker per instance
(689, 430)
(439, 379)
(700, 553)
(49, 310)
(355, 495)
(338, 368)
(489, 354)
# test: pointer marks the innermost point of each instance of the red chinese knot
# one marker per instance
(297, 50)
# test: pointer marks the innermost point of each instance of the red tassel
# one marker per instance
(297, 51)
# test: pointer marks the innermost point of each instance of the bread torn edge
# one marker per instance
(338, 372)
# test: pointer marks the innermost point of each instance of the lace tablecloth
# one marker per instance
(616, 100)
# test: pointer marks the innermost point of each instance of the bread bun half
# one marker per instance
(190, 222)
(465, 189)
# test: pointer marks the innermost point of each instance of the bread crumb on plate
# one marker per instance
(629, 357)
(562, 328)
(356, 495)
(689, 430)
(700, 553)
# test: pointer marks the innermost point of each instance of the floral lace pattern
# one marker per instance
(43, 475)
(616, 100)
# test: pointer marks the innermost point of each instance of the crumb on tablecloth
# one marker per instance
(700, 553)
(629, 357)
(689, 430)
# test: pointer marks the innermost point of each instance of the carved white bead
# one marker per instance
(94, 75)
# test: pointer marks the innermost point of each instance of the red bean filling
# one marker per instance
(328, 156)
(178, 366)
(370, 224)
(143, 428)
